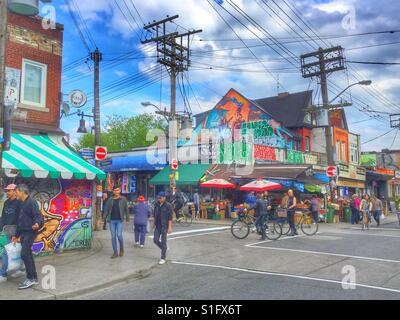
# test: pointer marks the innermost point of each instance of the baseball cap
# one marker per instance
(140, 199)
(161, 194)
(11, 187)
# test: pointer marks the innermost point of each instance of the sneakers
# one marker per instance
(136, 245)
(121, 254)
(3, 279)
(162, 261)
(115, 255)
(27, 284)
(141, 246)
(17, 274)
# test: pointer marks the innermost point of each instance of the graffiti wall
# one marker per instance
(67, 209)
(236, 112)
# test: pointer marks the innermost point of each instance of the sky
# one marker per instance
(258, 57)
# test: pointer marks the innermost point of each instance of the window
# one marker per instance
(343, 152)
(338, 155)
(307, 144)
(353, 153)
(33, 87)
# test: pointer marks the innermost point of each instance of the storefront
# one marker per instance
(61, 182)
(379, 183)
(351, 180)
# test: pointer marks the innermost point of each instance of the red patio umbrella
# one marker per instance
(260, 185)
(218, 184)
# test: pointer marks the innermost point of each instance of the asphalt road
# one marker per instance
(211, 264)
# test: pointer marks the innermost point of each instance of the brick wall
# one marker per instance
(26, 39)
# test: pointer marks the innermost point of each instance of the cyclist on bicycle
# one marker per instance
(177, 201)
(366, 208)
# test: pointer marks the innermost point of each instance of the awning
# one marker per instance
(135, 163)
(46, 156)
(188, 174)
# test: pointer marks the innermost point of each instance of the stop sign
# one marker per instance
(331, 171)
(174, 164)
(100, 153)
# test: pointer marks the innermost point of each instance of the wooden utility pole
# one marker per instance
(3, 40)
(96, 56)
(171, 53)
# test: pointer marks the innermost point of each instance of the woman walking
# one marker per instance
(292, 203)
(366, 208)
(141, 213)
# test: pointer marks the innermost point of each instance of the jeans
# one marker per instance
(315, 215)
(4, 264)
(290, 217)
(261, 226)
(377, 217)
(27, 240)
(140, 233)
(116, 227)
(177, 209)
(158, 233)
(355, 215)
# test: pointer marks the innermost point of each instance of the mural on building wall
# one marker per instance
(67, 208)
(236, 112)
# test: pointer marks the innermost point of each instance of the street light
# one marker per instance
(362, 83)
(149, 104)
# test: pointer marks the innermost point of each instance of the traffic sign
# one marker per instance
(331, 171)
(174, 164)
(100, 153)
(87, 153)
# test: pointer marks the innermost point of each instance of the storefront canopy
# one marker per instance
(46, 156)
(188, 174)
(134, 163)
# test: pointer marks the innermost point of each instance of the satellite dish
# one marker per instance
(65, 108)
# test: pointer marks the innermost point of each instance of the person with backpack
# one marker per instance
(141, 213)
(29, 222)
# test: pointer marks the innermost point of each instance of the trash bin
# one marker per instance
(347, 214)
(329, 214)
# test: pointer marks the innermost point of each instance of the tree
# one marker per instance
(123, 133)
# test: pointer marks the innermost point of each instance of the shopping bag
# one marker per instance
(382, 217)
(14, 256)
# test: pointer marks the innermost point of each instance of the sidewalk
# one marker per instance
(81, 271)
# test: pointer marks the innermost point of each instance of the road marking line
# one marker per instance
(328, 254)
(196, 231)
(282, 275)
(365, 234)
(389, 229)
(196, 235)
(267, 241)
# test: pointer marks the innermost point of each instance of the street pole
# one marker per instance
(172, 123)
(97, 57)
(3, 40)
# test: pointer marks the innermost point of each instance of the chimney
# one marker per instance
(283, 94)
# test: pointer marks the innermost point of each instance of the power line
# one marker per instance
(394, 139)
(374, 62)
(85, 27)
(380, 136)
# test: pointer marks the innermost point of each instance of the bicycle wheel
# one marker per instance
(309, 226)
(187, 220)
(273, 230)
(285, 227)
(240, 229)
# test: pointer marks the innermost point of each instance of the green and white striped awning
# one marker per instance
(46, 156)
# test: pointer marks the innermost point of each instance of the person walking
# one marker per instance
(8, 225)
(315, 204)
(377, 209)
(196, 201)
(141, 213)
(115, 213)
(292, 203)
(366, 208)
(355, 209)
(163, 224)
(30, 220)
(251, 199)
(260, 209)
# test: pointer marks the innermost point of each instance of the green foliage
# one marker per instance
(124, 133)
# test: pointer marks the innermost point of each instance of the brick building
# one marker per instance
(34, 65)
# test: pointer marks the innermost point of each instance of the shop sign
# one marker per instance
(264, 153)
(368, 160)
(310, 158)
(12, 82)
(351, 172)
(132, 184)
(238, 152)
(385, 171)
(125, 183)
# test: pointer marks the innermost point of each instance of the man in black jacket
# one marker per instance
(29, 222)
(163, 224)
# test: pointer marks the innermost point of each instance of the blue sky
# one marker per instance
(117, 36)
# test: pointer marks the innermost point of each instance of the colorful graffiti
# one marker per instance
(235, 114)
(67, 208)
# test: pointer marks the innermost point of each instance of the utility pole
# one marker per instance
(96, 56)
(3, 40)
(174, 55)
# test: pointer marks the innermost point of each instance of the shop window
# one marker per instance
(33, 86)
(338, 155)
(354, 153)
(343, 152)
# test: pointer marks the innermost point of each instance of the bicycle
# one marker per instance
(307, 224)
(365, 220)
(185, 218)
(245, 223)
